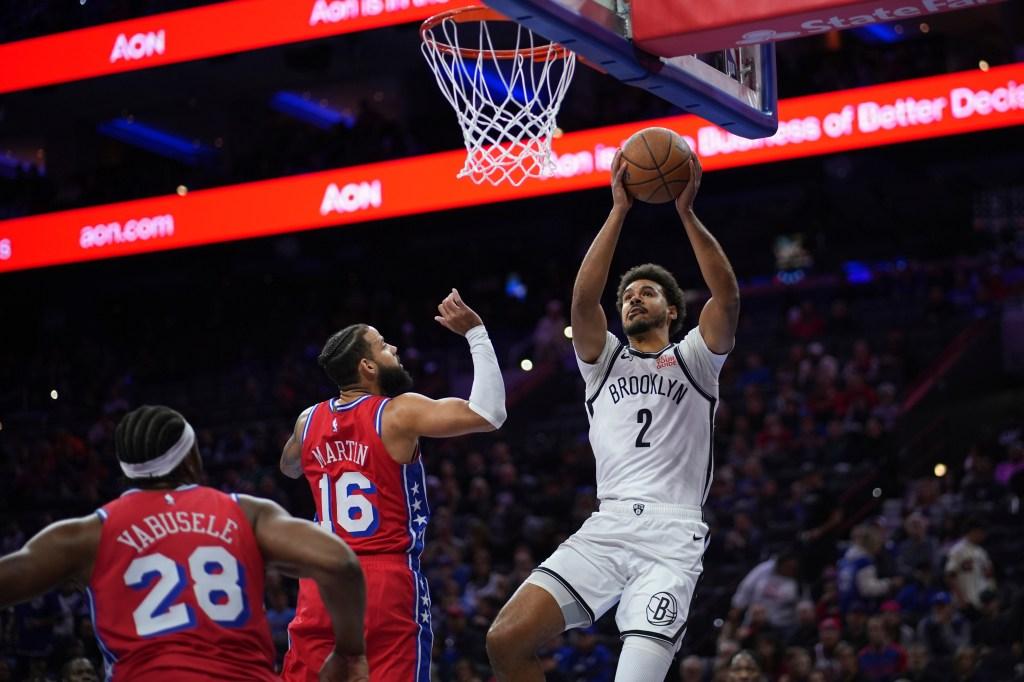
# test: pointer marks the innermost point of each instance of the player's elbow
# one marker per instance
(488, 419)
(494, 421)
(290, 467)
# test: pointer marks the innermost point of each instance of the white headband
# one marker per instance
(165, 463)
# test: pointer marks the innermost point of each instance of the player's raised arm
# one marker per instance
(589, 324)
(291, 456)
(62, 552)
(303, 550)
(721, 313)
(413, 415)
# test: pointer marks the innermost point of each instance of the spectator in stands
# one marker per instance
(725, 649)
(969, 570)
(549, 341)
(78, 670)
(691, 669)
(585, 658)
(773, 585)
(805, 322)
(743, 541)
(887, 409)
(855, 630)
(798, 665)
(882, 659)
(979, 488)
(920, 668)
(825, 654)
(279, 614)
(892, 618)
(805, 634)
(743, 667)
(917, 548)
(965, 665)
(465, 672)
(857, 570)
(943, 631)
(849, 666)
(819, 517)
(999, 635)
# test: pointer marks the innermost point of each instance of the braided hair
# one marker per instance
(146, 433)
(342, 353)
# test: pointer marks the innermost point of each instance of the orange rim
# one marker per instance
(463, 15)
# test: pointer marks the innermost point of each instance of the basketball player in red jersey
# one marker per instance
(360, 454)
(174, 571)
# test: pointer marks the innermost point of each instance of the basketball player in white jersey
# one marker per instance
(651, 405)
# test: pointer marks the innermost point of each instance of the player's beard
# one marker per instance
(394, 381)
(642, 324)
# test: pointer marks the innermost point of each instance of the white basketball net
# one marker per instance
(506, 100)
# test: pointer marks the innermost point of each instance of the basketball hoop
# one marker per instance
(506, 99)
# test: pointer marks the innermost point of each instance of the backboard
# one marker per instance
(733, 88)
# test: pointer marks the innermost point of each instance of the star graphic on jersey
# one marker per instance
(415, 488)
(420, 519)
(425, 616)
(416, 504)
(425, 599)
(168, 499)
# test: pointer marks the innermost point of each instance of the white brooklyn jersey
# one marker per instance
(651, 420)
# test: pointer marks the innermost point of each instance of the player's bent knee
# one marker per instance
(530, 619)
(504, 643)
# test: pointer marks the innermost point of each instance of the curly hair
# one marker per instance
(673, 293)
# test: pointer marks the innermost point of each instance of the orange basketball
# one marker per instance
(657, 169)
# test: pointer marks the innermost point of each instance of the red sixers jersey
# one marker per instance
(177, 589)
(375, 504)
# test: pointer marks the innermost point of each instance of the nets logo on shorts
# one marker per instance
(638, 508)
(662, 609)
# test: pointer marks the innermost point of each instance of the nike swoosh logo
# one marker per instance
(698, 537)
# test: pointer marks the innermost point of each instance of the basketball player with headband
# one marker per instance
(651, 404)
(174, 570)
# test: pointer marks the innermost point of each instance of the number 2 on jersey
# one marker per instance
(217, 582)
(644, 417)
(353, 510)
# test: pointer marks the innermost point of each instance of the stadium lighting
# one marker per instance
(568, 332)
(53, 394)
(182, 190)
(940, 470)
(526, 365)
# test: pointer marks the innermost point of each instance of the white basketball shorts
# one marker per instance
(645, 557)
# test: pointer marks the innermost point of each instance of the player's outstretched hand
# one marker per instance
(339, 668)
(455, 315)
(620, 195)
(684, 202)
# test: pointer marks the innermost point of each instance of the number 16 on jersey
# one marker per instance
(353, 508)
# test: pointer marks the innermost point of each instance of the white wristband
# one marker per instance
(487, 397)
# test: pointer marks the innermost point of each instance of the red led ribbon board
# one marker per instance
(196, 33)
(819, 124)
(669, 28)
